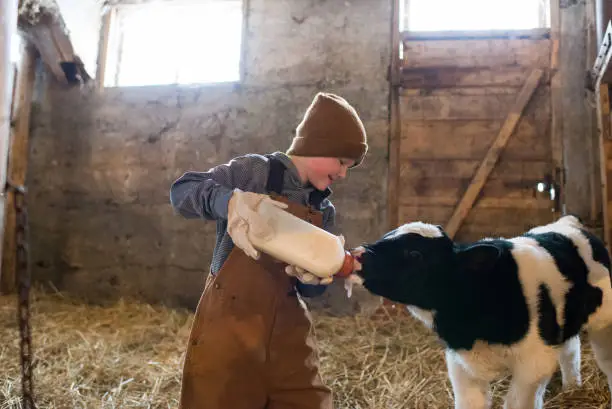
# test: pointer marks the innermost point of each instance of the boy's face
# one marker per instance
(322, 172)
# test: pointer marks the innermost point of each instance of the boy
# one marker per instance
(251, 343)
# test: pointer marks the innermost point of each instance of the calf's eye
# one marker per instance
(414, 256)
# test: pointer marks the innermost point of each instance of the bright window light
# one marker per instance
(195, 42)
(16, 45)
(467, 15)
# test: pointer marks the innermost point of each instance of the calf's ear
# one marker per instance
(478, 257)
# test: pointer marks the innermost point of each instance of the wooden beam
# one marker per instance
(18, 163)
(605, 155)
(42, 38)
(591, 135)
(484, 203)
(556, 132)
(477, 78)
(103, 53)
(8, 26)
(601, 67)
(488, 163)
(535, 33)
(395, 127)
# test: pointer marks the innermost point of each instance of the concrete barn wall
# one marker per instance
(102, 164)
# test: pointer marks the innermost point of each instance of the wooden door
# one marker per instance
(455, 97)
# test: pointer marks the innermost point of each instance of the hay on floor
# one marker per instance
(129, 356)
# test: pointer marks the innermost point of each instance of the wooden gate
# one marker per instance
(476, 152)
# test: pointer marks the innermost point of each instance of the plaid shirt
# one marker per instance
(205, 195)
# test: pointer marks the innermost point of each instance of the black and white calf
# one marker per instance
(501, 305)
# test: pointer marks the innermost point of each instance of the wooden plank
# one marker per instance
(533, 34)
(519, 188)
(555, 20)
(449, 104)
(455, 107)
(575, 128)
(477, 53)
(488, 216)
(591, 123)
(605, 152)
(41, 38)
(466, 168)
(446, 77)
(493, 154)
(601, 72)
(482, 203)
(395, 127)
(555, 103)
(18, 156)
(103, 53)
(411, 93)
(471, 139)
(8, 13)
(62, 42)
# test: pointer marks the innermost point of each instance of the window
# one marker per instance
(469, 15)
(16, 45)
(174, 42)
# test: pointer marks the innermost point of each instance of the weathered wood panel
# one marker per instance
(519, 188)
(519, 219)
(465, 168)
(483, 202)
(17, 165)
(454, 107)
(481, 221)
(458, 91)
(449, 77)
(456, 95)
(477, 53)
(469, 104)
(461, 139)
(472, 193)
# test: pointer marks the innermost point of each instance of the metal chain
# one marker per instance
(23, 283)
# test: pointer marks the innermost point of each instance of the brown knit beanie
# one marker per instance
(330, 128)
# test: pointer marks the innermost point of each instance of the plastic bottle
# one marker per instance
(299, 243)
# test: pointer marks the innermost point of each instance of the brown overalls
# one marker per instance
(251, 344)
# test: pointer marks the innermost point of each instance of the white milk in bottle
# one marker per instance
(299, 243)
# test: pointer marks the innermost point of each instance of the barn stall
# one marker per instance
(485, 132)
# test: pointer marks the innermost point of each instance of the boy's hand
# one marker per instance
(306, 277)
(242, 219)
(309, 278)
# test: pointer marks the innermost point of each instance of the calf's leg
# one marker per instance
(569, 361)
(601, 342)
(526, 394)
(470, 392)
(529, 380)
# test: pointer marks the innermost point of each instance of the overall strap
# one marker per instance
(275, 175)
(316, 198)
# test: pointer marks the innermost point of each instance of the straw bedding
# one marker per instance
(129, 355)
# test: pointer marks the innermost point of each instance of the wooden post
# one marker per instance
(18, 163)
(556, 132)
(490, 160)
(8, 26)
(103, 54)
(601, 77)
(394, 119)
(591, 134)
(605, 152)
